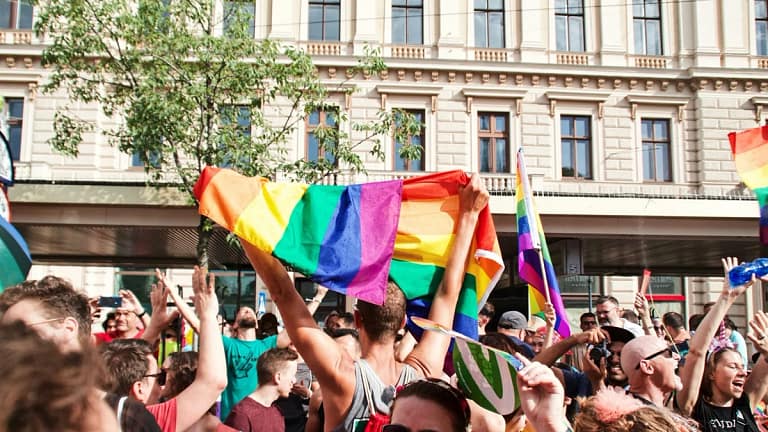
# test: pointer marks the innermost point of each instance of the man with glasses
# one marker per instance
(650, 368)
(608, 313)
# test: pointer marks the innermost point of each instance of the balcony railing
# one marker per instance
(651, 62)
(322, 48)
(408, 51)
(572, 59)
(491, 55)
(16, 37)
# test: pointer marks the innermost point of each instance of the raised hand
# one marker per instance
(730, 291)
(641, 305)
(541, 396)
(549, 314)
(206, 302)
(131, 302)
(473, 197)
(759, 337)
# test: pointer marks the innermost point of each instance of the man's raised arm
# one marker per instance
(428, 356)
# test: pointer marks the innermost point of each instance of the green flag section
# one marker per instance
(486, 375)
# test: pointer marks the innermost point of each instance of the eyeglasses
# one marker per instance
(605, 312)
(668, 351)
(401, 428)
(588, 323)
(47, 321)
(161, 376)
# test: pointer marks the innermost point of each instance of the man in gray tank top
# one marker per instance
(345, 383)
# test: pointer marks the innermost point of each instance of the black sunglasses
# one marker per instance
(656, 354)
(161, 376)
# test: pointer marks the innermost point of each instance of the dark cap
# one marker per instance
(513, 320)
(618, 334)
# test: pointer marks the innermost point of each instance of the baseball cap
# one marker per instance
(513, 320)
(535, 323)
(618, 334)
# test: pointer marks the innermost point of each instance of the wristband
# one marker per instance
(144, 312)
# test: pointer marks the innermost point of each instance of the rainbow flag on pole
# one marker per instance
(425, 234)
(531, 242)
(340, 236)
(750, 153)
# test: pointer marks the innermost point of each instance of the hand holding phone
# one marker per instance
(111, 302)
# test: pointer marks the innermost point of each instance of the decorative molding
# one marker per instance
(435, 76)
(502, 78)
(491, 93)
(468, 77)
(32, 91)
(577, 96)
(519, 79)
(679, 102)
(417, 75)
(418, 90)
(759, 103)
(10, 62)
(451, 77)
(485, 77)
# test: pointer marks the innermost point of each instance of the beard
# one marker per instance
(247, 322)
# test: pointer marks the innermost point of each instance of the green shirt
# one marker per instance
(241, 369)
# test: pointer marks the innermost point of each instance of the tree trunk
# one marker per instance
(204, 231)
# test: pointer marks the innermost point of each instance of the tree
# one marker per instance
(194, 88)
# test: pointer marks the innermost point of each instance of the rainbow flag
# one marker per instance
(340, 236)
(531, 240)
(751, 157)
(425, 234)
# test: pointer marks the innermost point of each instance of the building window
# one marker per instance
(407, 22)
(152, 159)
(15, 121)
(237, 120)
(324, 18)
(761, 26)
(576, 144)
(403, 164)
(656, 150)
(647, 25)
(321, 135)
(489, 23)
(234, 10)
(16, 14)
(569, 24)
(493, 142)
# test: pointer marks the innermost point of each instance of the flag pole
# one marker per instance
(544, 274)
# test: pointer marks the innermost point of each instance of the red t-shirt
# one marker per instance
(251, 416)
(165, 414)
(102, 337)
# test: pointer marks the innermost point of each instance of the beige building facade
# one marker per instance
(622, 109)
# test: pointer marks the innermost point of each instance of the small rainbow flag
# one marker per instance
(425, 234)
(340, 236)
(531, 242)
(751, 157)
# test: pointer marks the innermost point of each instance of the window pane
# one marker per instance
(651, 9)
(414, 26)
(496, 30)
(574, 7)
(647, 129)
(561, 29)
(567, 164)
(501, 123)
(398, 25)
(485, 155)
(14, 139)
(762, 38)
(760, 9)
(637, 8)
(501, 155)
(660, 130)
(330, 119)
(15, 108)
(415, 2)
(398, 2)
(496, 4)
(136, 160)
(582, 126)
(315, 22)
(481, 39)
(314, 118)
(25, 15)
(576, 34)
(583, 152)
(485, 122)
(561, 7)
(479, 4)
(312, 147)
(5, 17)
(566, 125)
(662, 163)
(648, 173)
(639, 37)
(654, 37)
(332, 23)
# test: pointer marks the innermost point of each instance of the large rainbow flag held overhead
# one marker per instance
(340, 236)
(750, 153)
(531, 242)
(344, 236)
(425, 234)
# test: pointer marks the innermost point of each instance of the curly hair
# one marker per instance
(57, 297)
(181, 372)
(43, 387)
(382, 322)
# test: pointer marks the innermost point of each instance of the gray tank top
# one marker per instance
(382, 394)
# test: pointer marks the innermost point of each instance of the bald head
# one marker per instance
(650, 367)
(636, 350)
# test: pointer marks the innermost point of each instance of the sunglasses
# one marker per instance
(667, 351)
(401, 428)
(161, 376)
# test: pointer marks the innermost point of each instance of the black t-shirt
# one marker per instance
(736, 418)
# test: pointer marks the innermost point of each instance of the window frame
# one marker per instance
(487, 12)
(309, 130)
(493, 135)
(422, 136)
(574, 147)
(324, 5)
(645, 20)
(656, 142)
(568, 15)
(14, 16)
(242, 5)
(761, 49)
(407, 7)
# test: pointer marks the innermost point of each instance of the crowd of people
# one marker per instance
(626, 370)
